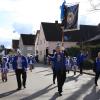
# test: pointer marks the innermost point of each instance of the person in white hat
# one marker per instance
(31, 61)
(60, 68)
(20, 67)
(4, 69)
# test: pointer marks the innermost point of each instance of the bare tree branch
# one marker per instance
(94, 6)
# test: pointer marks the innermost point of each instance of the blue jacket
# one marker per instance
(81, 58)
(59, 61)
(10, 59)
(97, 64)
(24, 62)
(31, 59)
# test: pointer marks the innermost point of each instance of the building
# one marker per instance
(15, 44)
(27, 44)
(51, 33)
(93, 41)
(48, 37)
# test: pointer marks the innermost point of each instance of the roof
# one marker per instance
(15, 44)
(97, 37)
(84, 33)
(28, 39)
(95, 40)
(53, 32)
(37, 32)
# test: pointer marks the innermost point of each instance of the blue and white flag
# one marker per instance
(63, 10)
(70, 21)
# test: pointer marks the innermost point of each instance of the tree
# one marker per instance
(95, 6)
(2, 47)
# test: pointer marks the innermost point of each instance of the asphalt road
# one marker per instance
(40, 86)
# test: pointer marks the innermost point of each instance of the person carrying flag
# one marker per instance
(60, 68)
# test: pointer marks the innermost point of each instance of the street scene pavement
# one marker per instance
(40, 86)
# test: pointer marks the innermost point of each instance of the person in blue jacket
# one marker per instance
(20, 66)
(31, 61)
(53, 67)
(97, 68)
(60, 68)
(4, 69)
(80, 60)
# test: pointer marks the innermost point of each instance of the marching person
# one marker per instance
(80, 59)
(53, 66)
(20, 67)
(68, 64)
(4, 69)
(60, 69)
(74, 65)
(31, 61)
(97, 68)
(10, 59)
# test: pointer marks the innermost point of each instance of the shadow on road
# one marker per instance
(83, 89)
(71, 78)
(12, 74)
(55, 96)
(48, 74)
(41, 65)
(94, 95)
(7, 93)
(41, 71)
(39, 93)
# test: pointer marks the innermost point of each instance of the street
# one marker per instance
(40, 86)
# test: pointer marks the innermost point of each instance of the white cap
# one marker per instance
(18, 51)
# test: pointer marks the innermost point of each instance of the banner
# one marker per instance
(70, 19)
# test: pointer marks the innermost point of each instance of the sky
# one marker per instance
(25, 16)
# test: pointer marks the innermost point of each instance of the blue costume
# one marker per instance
(24, 62)
(80, 60)
(59, 61)
(97, 70)
(60, 69)
(20, 65)
(31, 61)
(4, 69)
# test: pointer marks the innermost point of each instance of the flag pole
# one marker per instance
(62, 41)
(62, 34)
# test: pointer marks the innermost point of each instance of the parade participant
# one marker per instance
(31, 61)
(68, 64)
(53, 66)
(4, 69)
(10, 59)
(20, 67)
(74, 65)
(60, 68)
(80, 60)
(97, 68)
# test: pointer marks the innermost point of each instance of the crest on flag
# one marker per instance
(70, 19)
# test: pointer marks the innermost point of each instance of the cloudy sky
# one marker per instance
(25, 16)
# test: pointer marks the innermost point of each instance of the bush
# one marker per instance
(88, 64)
(94, 52)
(73, 51)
